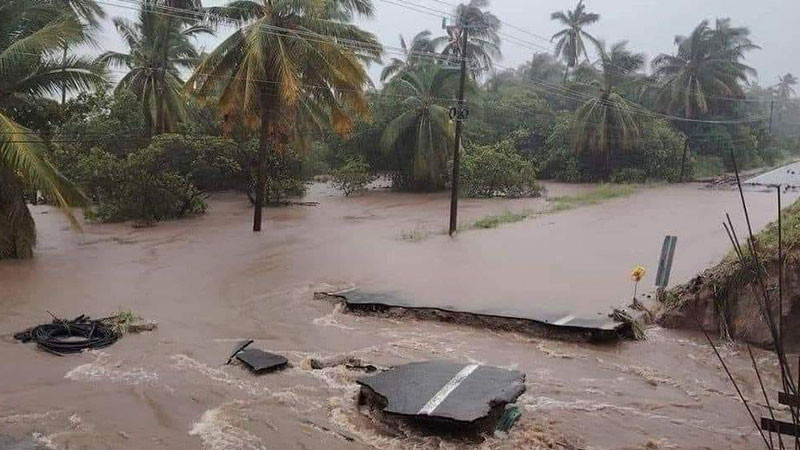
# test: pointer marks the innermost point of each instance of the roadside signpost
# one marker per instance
(665, 263)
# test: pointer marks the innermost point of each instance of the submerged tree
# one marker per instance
(308, 74)
(607, 122)
(483, 42)
(570, 45)
(32, 34)
(422, 134)
(159, 47)
(414, 55)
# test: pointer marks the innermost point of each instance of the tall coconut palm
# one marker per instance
(570, 45)
(607, 122)
(483, 42)
(152, 77)
(32, 35)
(421, 43)
(707, 64)
(422, 134)
(784, 90)
(293, 62)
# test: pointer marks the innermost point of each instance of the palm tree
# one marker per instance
(32, 33)
(707, 64)
(422, 134)
(88, 13)
(607, 122)
(571, 45)
(420, 43)
(292, 63)
(543, 67)
(483, 42)
(784, 90)
(155, 80)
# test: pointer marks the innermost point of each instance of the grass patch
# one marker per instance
(121, 321)
(496, 220)
(600, 194)
(415, 235)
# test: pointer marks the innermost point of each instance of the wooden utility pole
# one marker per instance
(771, 109)
(460, 116)
(683, 159)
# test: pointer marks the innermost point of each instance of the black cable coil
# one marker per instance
(70, 336)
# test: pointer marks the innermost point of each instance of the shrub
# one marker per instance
(497, 170)
(211, 163)
(145, 191)
(353, 176)
(629, 175)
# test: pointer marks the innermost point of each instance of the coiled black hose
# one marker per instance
(70, 336)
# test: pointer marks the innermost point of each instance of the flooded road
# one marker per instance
(209, 281)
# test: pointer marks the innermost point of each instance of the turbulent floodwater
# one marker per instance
(210, 282)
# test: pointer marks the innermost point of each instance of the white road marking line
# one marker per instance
(564, 320)
(343, 291)
(448, 388)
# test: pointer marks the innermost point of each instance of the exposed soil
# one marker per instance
(210, 282)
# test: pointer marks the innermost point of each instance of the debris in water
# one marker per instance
(510, 417)
(444, 397)
(257, 360)
(70, 336)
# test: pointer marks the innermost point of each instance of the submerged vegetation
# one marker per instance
(595, 196)
(263, 112)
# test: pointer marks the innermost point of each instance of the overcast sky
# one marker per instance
(649, 25)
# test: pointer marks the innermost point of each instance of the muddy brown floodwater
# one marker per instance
(209, 282)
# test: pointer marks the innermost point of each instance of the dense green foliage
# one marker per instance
(497, 170)
(165, 180)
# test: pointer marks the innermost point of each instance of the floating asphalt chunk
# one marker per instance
(257, 360)
(470, 397)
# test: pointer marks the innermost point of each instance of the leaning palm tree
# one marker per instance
(155, 79)
(32, 35)
(571, 46)
(483, 42)
(784, 90)
(293, 63)
(422, 134)
(607, 122)
(420, 44)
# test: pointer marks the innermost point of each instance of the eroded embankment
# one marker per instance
(734, 297)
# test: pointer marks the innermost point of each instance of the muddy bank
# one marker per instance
(210, 282)
(728, 299)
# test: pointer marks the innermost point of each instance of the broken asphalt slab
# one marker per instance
(560, 323)
(454, 397)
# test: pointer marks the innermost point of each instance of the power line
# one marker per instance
(279, 31)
